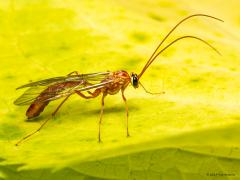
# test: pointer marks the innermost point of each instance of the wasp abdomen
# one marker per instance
(35, 109)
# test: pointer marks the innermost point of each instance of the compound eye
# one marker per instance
(135, 81)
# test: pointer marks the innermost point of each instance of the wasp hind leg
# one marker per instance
(100, 120)
(44, 123)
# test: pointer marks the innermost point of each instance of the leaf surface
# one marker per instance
(192, 131)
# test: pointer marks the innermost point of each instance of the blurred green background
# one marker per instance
(190, 132)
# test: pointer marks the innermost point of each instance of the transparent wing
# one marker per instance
(95, 86)
(29, 95)
(72, 90)
(89, 77)
(39, 93)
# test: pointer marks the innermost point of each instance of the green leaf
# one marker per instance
(191, 132)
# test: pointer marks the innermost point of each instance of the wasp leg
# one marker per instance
(45, 122)
(126, 106)
(74, 72)
(93, 95)
(89, 92)
(100, 120)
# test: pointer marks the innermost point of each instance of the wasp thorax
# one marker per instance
(134, 80)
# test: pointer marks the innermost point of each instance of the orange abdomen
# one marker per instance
(35, 109)
(44, 98)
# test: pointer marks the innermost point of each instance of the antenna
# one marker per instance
(169, 33)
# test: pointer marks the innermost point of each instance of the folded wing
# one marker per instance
(58, 87)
